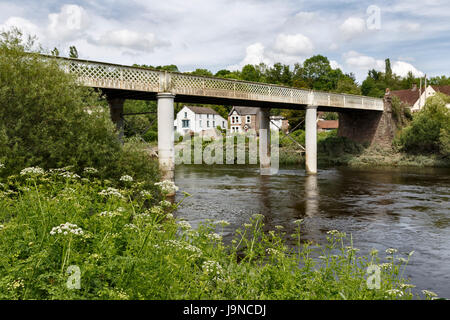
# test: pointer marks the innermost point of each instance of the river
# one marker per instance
(407, 209)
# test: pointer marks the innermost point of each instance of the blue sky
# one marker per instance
(219, 34)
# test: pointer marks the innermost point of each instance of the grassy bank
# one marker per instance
(338, 151)
(124, 243)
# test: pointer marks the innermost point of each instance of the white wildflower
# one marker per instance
(69, 175)
(212, 267)
(407, 286)
(111, 192)
(67, 228)
(298, 221)
(185, 225)
(184, 246)
(374, 252)
(391, 251)
(33, 171)
(214, 236)
(126, 178)
(223, 223)
(167, 186)
(90, 170)
(145, 193)
(16, 284)
(2, 165)
(394, 292)
(429, 294)
(274, 252)
(1, 227)
(109, 214)
(165, 203)
(386, 266)
(169, 216)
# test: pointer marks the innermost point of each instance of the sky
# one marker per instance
(356, 35)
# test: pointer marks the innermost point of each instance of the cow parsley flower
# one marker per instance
(223, 223)
(32, 171)
(212, 267)
(111, 192)
(67, 228)
(391, 251)
(214, 236)
(167, 186)
(394, 292)
(185, 225)
(126, 178)
(90, 170)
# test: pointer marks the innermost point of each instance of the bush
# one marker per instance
(48, 120)
(428, 131)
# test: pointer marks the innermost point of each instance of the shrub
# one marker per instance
(427, 131)
(44, 118)
(48, 120)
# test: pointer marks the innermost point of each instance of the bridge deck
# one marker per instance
(146, 83)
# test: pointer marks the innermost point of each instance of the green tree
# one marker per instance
(48, 120)
(55, 52)
(73, 52)
(428, 131)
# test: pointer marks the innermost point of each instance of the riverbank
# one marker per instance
(69, 237)
(370, 157)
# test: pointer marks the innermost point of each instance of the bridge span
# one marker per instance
(121, 82)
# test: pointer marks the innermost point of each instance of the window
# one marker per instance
(214, 124)
(185, 114)
(207, 116)
(207, 124)
(185, 123)
(200, 123)
(248, 119)
(223, 124)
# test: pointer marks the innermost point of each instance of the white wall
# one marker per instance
(198, 122)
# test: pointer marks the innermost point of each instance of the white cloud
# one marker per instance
(304, 16)
(352, 27)
(364, 63)
(68, 24)
(356, 60)
(27, 27)
(293, 45)
(335, 65)
(141, 41)
(402, 68)
(255, 54)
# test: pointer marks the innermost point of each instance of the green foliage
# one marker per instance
(73, 52)
(128, 246)
(50, 121)
(400, 112)
(424, 134)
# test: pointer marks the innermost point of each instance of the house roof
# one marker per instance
(409, 96)
(244, 110)
(202, 110)
(442, 89)
(328, 124)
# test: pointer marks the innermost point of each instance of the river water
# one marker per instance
(407, 209)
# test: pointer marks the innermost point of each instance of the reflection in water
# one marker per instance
(311, 196)
(389, 208)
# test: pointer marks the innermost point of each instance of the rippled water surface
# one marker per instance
(407, 209)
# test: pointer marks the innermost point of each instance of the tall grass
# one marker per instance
(128, 245)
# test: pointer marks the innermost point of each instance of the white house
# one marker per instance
(198, 120)
(415, 99)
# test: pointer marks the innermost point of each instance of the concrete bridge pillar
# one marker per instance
(264, 141)
(116, 111)
(166, 135)
(311, 139)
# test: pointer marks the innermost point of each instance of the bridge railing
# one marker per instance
(113, 76)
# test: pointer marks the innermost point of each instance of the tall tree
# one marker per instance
(73, 52)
